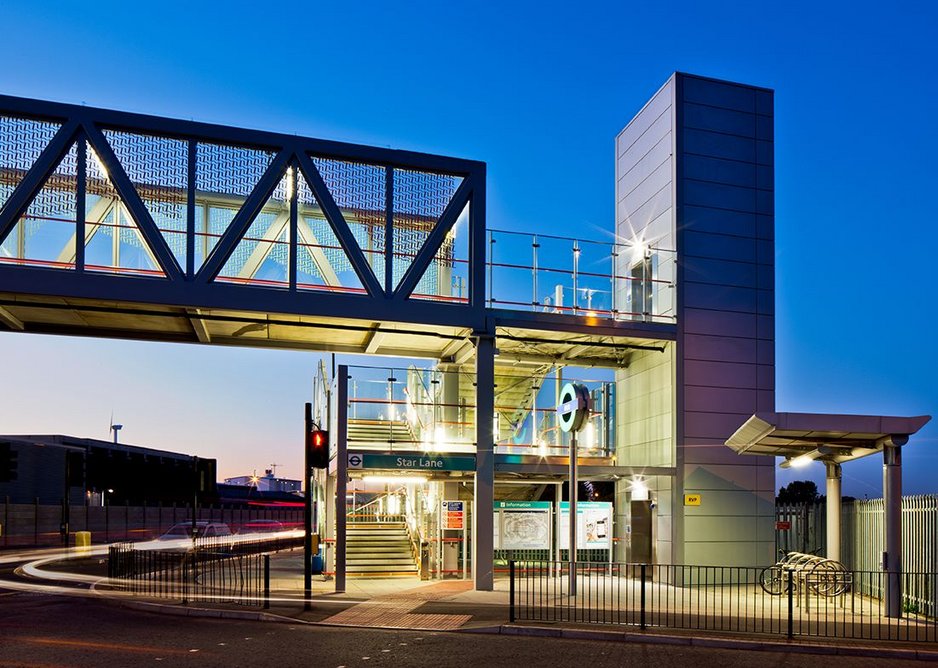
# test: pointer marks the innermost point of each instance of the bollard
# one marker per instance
(791, 595)
(642, 619)
(511, 591)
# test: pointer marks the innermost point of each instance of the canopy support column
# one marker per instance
(833, 510)
(892, 523)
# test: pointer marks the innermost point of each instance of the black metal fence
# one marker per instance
(213, 571)
(730, 599)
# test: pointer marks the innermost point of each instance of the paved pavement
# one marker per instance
(44, 631)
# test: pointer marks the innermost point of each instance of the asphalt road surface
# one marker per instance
(39, 631)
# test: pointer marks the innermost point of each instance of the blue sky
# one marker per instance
(538, 91)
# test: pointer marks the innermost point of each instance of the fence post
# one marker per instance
(791, 611)
(185, 579)
(511, 591)
(642, 613)
(266, 582)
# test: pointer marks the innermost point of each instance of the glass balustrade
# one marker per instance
(433, 411)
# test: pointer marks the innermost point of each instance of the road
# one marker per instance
(39, 631)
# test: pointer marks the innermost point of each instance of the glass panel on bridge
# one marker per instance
(262, 256)
(45, 234)
(225, 176)
(113, 242)
(159, 170)
(360, 192)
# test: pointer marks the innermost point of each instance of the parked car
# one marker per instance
(261, 526)
(203, 529)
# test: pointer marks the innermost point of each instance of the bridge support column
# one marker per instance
(833, 510)
(483, 529)
(341, 473)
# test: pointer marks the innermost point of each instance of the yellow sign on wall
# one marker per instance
(692, 499)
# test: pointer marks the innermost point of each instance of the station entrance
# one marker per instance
(405, 462)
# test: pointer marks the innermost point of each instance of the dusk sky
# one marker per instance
(537, 90)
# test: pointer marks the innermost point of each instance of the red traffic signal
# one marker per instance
(318, 448)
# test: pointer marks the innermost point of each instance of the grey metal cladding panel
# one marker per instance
(659, 104)
(658, 130)
(720, 400)
(721, 374)
(765, 202)
(765, 327)
(765, 376)
(765, 152)
(765, 177)
(719, 348)
(630, 175)
(640, 217)
(720, 272)
(713, 451)
(765, 279)
(729, 121)
(719, 246)
(765, 128)
(719, 145)
(765, 300)
(720, 221)
(720, 196)
(714, 425)
(765, 351)
(765, 252)
(647, 187)
(765, 102)
(721, 298)
(715, 94)
(720, 323)
(765, 226)
(717, 170)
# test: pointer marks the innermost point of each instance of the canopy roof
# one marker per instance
(831, 438)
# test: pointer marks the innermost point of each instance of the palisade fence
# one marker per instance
(861, 544)
(35, 524)
(730, 599)
(214, 570)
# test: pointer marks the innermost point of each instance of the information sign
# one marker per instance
(594, 525)
(454, 515)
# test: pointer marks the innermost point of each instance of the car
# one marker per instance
(203, 529)
(261, 526)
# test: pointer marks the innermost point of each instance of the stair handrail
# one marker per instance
(356, 511)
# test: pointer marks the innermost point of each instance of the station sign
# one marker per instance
(411, 462)
(454, 515)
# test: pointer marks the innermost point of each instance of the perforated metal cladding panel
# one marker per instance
(263, 253)
(321, 260)
(359, 190)
(158, 167)
(419, 200)
(225, 176)
(45, 233)
(112, 239)
(21, 142)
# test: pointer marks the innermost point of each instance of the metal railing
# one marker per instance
(214, 570)
(568, 276)
(728, 599)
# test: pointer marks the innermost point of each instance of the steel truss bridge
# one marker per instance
(132, 226)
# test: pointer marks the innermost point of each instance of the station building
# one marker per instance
(131, 226)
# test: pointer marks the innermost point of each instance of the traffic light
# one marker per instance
(317, 444)
(8, 462)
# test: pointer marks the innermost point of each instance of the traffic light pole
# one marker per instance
(307, 512)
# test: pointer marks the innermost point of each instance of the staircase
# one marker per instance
(379, 548)
(362, 433)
